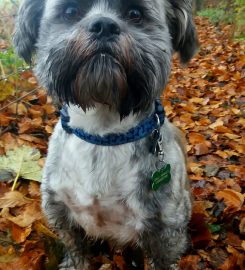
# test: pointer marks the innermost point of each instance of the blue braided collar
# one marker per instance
(142, 130)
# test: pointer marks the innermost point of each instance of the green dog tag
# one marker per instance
(160, 177)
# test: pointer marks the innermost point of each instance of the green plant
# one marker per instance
(229, 12)
(214, 14)
(10, 62)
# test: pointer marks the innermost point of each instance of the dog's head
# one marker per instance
(114, 52)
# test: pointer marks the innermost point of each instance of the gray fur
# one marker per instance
(110, 83)
(27, 28)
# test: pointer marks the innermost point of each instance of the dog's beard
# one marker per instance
(101, 79)
(85, 72)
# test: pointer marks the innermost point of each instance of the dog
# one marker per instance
(116, 167)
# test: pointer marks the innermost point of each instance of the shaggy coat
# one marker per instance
(109, 60)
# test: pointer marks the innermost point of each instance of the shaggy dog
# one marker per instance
(116, 167)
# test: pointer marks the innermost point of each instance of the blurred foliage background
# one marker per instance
(224, 11)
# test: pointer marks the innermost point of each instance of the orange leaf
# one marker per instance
(221, 154)
(222, 129)
(30, 214)
(233, 200)
(19, 234)
(120, 262)
(31, 259)
(190, 262)
(12, 199)
(34, 189)
(201, 149)
(196, 138)
(216, 124)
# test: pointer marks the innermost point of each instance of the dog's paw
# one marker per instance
(67, 268)
(174, 267)
(69, 263)
(79, 267)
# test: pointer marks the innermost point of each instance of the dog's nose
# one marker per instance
(105, 27)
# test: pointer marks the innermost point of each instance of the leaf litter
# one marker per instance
(205, 100)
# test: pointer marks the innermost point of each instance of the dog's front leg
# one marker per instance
(77, 250)
(77, 245)
(164, 248)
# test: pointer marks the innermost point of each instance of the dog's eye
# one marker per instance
(135, 15)
(71, 13)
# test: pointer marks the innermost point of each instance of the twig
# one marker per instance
(7, 16)
(15, 181)
(20, 98)
(4, 78)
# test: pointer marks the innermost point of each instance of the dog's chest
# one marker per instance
(99, 185)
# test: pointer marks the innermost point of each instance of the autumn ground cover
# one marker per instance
(205, 100)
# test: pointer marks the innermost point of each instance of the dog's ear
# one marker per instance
(182, 29)
(27, 27)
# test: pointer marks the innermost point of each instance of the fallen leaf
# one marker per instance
(106, 267)
(217, 123)
(201, 149)
(120, 262)
(32, 258)
(19, 234)
(23, 162)
(190, 262)
(211, 170)
(34, 189)
(233, 200)
(196, 138)
(242, 226)
(29, 215)
(12, 199)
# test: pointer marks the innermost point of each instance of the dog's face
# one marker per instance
(114, 52)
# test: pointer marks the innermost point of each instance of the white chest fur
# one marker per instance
(98, 184)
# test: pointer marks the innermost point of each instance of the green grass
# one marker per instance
(235, 16)
(214, 14)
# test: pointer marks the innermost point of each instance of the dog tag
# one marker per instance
(160, 177)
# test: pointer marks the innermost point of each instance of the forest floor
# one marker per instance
(205, 100)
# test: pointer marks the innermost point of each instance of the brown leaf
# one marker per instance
(218, 123)
(29, 215)
(34, 189)
(32, 258)
(18, 108)
(199, 231)
(201, 149)
(196, 138)
(19, 234)
(4, 188)
(229, 263)
(190, 262)
(49, 108)
(233, 200)
(120, 262)
(239, 256)
(41, 229)
(32, 139)
(242, 226)
(218, 258)
(106, 267)
(12, 199)
(233, 240)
